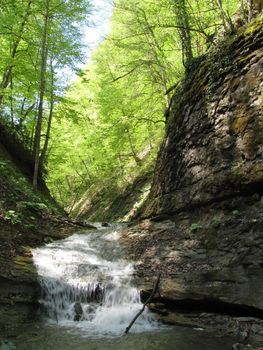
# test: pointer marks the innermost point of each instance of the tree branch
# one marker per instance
(154, 291)
(126, 74)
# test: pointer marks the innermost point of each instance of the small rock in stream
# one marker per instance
(78, 311)
(7, 345)
(238, 346)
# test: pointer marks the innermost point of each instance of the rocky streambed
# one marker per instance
(211, 261)
(206, 281)
(19, 289)
(69, 270)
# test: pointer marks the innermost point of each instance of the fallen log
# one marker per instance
(154, 291)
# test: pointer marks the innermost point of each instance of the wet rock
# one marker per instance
(98, 293)
(47, 239)
(239, 346)
(78, 311)
(87, 269)
(7, 345)
(90, 309)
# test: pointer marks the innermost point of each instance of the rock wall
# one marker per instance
(203, 220)
(213, 146)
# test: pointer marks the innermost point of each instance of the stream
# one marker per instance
(88, 298)
(87, 284)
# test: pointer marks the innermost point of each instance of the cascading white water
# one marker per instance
(86, 283)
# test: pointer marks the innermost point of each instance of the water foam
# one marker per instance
(86, 283)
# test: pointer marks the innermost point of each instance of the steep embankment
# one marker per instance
(27, 219)
(113, 204)
(205, 210)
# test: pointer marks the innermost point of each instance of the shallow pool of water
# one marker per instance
(51, 337)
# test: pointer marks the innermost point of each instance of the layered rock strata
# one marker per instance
(202, 224)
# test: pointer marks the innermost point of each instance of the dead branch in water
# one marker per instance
(155, 289)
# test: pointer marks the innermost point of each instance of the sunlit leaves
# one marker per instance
(111, 122)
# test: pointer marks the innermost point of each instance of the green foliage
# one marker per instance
(2, 164)
(13, 217)
(194, 227)
(41, 207)
(216, 222)
(109, 123)
(109, 126)
(236, 212)
(21, 34)
(19, 204)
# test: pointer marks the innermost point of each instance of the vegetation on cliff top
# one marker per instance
(102, 132)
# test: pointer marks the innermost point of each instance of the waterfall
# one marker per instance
(86, 283)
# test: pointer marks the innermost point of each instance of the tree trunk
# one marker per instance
(226, 20)
(8, 71)
(41, 96)
(250, 10)
(11, 102)
(185, 33)
(134, 154)
(50, 117)
(156, 50)
(254, 8)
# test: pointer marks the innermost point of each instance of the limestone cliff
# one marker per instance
(203, 218)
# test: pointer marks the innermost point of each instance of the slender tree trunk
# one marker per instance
(155, 48)
(50, 117)
(11, 102)
(24, 113)
(41, 96)
(243, 11)
(250, 9)
(226, 20)
(134, 154)
(33, 128)
(254, 7)
(185, 33)
(8, 71)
